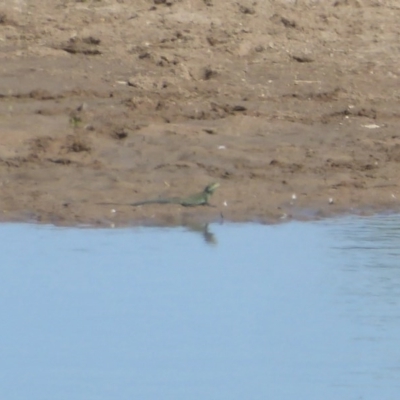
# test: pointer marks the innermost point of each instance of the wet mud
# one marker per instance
(292, 106)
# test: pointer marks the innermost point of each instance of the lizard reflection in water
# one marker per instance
(197, 199)
(204, 230)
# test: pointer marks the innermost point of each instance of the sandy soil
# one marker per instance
(293, 106)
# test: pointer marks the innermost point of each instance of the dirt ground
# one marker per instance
(292, 106)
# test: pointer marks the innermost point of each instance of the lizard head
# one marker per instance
(210, 189)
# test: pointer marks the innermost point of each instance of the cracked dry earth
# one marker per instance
(293, 106)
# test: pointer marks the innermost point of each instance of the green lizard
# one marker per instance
(198, 199)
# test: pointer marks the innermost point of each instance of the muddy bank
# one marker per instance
(293, 108)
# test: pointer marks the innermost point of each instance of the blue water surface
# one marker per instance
(292, 311)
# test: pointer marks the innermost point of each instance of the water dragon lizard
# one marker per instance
(197, 199)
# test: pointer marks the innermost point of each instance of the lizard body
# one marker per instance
(197, 199)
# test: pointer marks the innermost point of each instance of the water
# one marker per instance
(295, 311)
